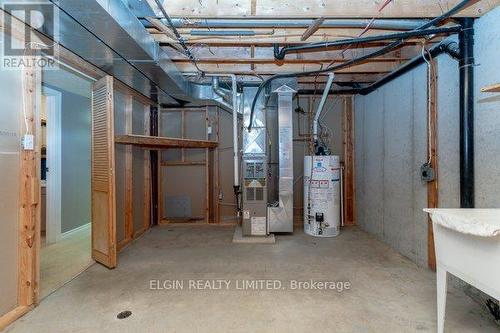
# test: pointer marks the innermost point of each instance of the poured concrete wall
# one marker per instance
(487, 110)
(391, 146)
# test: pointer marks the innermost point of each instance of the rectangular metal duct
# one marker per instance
(280, 217)
(107, 34)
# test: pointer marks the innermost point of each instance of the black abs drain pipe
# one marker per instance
(466, 68)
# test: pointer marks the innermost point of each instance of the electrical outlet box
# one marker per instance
(427, 173)
(28, 142)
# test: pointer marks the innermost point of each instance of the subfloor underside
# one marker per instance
(387, 293)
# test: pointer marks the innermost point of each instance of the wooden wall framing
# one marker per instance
(349, 169)
(130, 230)
(433, 186)
(211, 176)
(29, 194)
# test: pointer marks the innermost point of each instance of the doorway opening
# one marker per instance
(65, 177)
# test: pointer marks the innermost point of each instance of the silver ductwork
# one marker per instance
(280, 216)
(107, 34)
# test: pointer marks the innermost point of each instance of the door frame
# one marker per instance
(53, 110)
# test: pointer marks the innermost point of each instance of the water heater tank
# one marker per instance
(322, 195)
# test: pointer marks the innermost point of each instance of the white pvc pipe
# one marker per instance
(322, 104)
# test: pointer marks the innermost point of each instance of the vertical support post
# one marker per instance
(153, 130)
(349, 179)
(129, 223)
(433, 186)
(466, 66)
(29, 194)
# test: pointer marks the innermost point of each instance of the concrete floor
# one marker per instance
(62, 261)
(388, 293)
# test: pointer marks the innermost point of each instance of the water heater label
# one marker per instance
(258, 226)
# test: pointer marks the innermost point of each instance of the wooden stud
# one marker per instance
(349, 179)
(217, 170)
(129, 215)
(29, 195)
(183, 133)
(147, 170)
(161, 212)
(207, 173)
(432, 187)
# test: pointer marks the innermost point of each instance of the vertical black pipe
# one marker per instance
(153, 131)
(466, 63)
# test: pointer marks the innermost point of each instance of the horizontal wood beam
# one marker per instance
(315, 9)
(155, 142)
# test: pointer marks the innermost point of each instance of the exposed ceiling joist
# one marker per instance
(322, 8)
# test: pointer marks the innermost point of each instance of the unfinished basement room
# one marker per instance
(249, 166)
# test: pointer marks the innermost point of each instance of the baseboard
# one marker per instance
(13, 315)
(72, 231)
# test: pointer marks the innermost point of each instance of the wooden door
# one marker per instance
(103, 174)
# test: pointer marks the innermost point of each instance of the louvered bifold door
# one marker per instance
(103, 176)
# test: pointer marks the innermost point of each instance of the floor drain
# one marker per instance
(124, 314)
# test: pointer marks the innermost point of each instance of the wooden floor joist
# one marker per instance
(155, 142)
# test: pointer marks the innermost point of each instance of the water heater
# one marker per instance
(322, 195)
